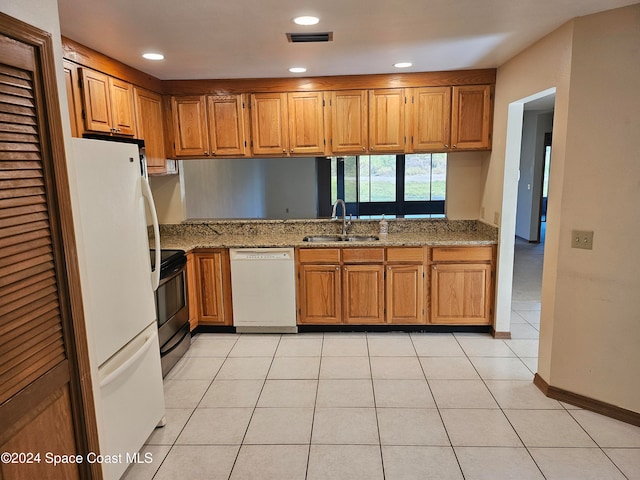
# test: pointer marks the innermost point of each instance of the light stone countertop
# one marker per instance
(198, 234)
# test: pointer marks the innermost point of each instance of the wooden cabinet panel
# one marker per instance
(319, 255)
(387, 120)
(405, 294)
(269, 124)
(319, 294)
(430, 119)
(471, 117)
(460, 293)
(189, 123)
(213, 288)
(363, 255)
(97, 111)
(225, 118)
(150, 124)
(70, 84)
(122, 110)
(349, 122)
(363, 294)
(406, 254)
(306, 123)
(462, 254)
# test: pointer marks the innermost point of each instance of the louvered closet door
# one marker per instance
(31, 341)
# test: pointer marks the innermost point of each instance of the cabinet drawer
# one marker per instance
(405, 254)
(319, 255)
(360, 255)
(462, 254)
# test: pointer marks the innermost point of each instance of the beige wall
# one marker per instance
(465, 178)
(590, 322)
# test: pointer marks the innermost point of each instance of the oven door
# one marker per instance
(171, 305)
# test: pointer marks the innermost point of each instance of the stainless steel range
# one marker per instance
(172, 308)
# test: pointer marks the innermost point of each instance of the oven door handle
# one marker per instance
(177, 344)
(148, 196)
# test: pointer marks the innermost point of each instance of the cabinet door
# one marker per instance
(149, 120)
(306, 123)
(460, 293)
(363, 294)
(211, 275)
(97, 108)
(122, 110)
(430, 119)
(269, 124)
(471, 117)
(70, 81)
(349, 122)
(190, 126)
(319, 294)
(386, 120)
(225, 119)
(405, 294)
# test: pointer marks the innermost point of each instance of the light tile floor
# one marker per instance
(394, 406)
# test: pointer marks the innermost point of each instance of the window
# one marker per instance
(394, 185)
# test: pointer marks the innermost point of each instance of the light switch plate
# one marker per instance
(582, 239)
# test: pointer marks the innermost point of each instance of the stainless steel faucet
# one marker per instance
(345, 224)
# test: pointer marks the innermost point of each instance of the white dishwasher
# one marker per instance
(263, 290)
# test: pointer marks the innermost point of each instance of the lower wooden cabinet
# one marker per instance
(209, 285)
(462, 285)
(364, 286)
(405, 294)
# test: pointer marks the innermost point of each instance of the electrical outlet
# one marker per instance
(582, 239)
(496, 218)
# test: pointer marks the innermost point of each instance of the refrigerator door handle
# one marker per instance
(129, 362)
(146, 193)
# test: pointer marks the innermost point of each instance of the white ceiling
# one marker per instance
(246, 38)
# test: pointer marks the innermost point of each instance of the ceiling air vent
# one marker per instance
(310, 37)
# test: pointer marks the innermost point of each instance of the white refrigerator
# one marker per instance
(111, 200)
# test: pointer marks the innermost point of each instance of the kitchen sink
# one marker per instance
(340, 238)
(322, 238)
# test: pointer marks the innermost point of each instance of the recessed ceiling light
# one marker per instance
(306, 20)
(297, 69)
(402, 64)
(153, 56)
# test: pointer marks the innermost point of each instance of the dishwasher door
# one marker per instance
(263, 289)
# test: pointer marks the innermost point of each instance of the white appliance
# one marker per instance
(109, 206)
(263, 290)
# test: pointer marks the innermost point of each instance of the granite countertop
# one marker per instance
(197, 234)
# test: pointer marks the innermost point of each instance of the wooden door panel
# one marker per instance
(387, 120)
(364, 294)
(226, 125)
(460, 293)
(97, 109)
(349, 111)
(320, 294)
(189, 123)
(471, 117)
(150, 127)
(122, 109)
(405, 294)
(431, 119)
(210, 298)
(269, 123)
(306, 123)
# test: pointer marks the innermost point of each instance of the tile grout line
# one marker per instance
(375, 406)
(315, 403)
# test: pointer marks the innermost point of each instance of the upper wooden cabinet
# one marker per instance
(270, 135)
(212, 125)
(306, 123)
(150, 125)
(226, 125)
(349, 122)
(471, 117)
(430, 119)
(108, 104)
(189, 126)
(387, 120)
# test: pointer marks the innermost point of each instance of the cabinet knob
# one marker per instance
(455, 146)
(284, 150)
(434, 267)
(364, 149)
(213, 152)
(206, 153)
(118, 130)
(292, 150)
(446, 145)
(345, 269)
(337, 268)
